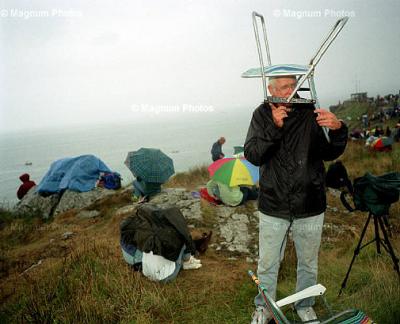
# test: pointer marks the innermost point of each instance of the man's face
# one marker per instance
(282, 87)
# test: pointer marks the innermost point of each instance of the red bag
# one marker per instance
(204, 194)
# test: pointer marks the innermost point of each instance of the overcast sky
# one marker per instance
(77, 62)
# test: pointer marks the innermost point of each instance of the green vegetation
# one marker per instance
(191, 179)
(84, 279)
(351, 113)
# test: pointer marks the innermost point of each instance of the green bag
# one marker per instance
(376, 193)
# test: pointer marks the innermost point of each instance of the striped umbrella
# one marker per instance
(382, 144)
(234, 172)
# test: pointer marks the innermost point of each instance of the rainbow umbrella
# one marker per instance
(382, 143)
(234, 172)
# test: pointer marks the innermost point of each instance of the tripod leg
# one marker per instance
(356, 252)
(386, 222)
(377, 237)
(389, 246)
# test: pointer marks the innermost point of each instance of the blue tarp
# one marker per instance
(78, 174)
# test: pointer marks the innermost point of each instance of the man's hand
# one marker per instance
(327, 119)
(278, 114)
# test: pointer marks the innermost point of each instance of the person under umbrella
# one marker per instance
(143, 190)
(151, 167)
(233, 181)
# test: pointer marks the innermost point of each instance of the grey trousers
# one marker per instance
(306, 235)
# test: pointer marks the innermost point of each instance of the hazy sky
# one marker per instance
(76, 62)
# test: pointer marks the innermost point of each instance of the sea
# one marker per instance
(187, 142)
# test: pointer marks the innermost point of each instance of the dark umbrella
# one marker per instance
(152, 165)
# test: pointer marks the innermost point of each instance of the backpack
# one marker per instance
(337, 177)
(111, 180)
(375, 193)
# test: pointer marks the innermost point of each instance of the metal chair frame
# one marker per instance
(306, 75)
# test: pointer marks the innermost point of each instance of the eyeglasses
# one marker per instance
(286, 87)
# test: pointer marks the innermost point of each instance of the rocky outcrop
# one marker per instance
(183, 199)
(235, 229)
(78, 200)
(35, 204)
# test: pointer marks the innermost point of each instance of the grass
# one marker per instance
(191, 179)
(84, 279)
(351, 113)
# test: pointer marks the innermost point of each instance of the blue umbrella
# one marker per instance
(152, 165)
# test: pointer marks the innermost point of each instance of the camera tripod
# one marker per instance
(378, 224)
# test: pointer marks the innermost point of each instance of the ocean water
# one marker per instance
(188, 143)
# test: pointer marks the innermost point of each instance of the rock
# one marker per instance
(33, 203)
(235, 232)
(225, 212)
(126, 210)
(185, 203)
(241, 218)
(188, 205)
(84, 214)
(53, 205)
(171, 196)
(67, 235)
(77, 200)
(193, 212)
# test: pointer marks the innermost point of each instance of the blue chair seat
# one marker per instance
(277, 70)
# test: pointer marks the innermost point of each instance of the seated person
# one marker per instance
(397, 132)
(231, 196)
(144, 190)
(156, 267)
(26, 185)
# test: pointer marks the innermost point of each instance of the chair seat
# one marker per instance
(277, 70)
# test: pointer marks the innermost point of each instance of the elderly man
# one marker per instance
(216, 150)
(289, 145)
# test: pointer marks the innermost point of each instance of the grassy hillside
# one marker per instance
(84, 279)
(351, 112)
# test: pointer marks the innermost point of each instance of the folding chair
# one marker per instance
(350, 316)
(301, 72)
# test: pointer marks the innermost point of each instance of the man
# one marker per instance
(289, 145)
(216, 150)
(25, 187)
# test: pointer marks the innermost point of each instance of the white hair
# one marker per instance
(271, 80)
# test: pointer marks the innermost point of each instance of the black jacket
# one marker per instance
(161, 230)
(291, 161)
(216, 151)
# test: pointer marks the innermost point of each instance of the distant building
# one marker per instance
(359, 96)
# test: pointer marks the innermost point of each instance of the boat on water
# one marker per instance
(28, 163)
